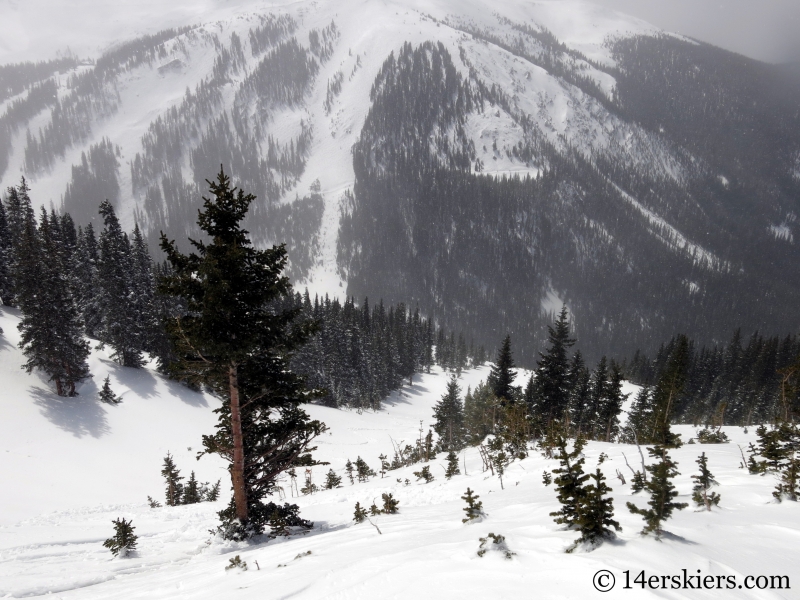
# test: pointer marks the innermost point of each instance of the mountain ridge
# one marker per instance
(282, 100)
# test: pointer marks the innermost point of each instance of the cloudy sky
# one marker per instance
(768, 30)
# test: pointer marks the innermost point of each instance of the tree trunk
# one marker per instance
(237, 468)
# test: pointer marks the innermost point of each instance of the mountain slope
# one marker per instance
(85, 466)
(663, 175)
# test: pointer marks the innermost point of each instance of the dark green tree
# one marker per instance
(389, 504)
(449, 415)
(212, 495)
(570, 481)
(52, 334)
(106, 394)
(610, 406)
(701, 491)
(425, 474)
(662, 493)
(332, 480)
(172, 477)
(236, 340)
(360, 514)
(595, 513)
(85, 261)
(6, 261)
(552, 389)
(191, 491)
(452, 465)
(666, 395)
(363, 472)
(579, 379)
(474, 508)
(501, 378)
(124, 540)
(119, 328)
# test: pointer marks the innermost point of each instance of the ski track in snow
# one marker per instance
(65, 480)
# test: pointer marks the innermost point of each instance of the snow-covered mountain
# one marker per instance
(389, 145)
(71, 466)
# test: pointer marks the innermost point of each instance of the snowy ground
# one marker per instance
(68, 467)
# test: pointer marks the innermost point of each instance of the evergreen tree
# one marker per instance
(235, 340)
(501, 378)
(119, 327)
(360, 514)
(580, 401)
(6, 261)
(552, 389)
(84, 280)
(18, 212)
(425, 474)
(124, 540)
(106, 394)
(389, 504)
(191, 492)
(143, 300)
(363, 472)
(789, 485)
(172, 477)
(452, 465)
(595, 513)
(212, 495)
(662, 492)
(666, 395)
(701, 493)
(610, 406)
(52, 336)
(332, 480)
(474, 508)
(640, 416)
(384, 465)
(349, 469)
(449, 415)
(570, 480)
(480, 408)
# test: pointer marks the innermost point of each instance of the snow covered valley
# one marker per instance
(70, 466)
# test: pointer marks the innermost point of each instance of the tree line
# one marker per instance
(71, 284)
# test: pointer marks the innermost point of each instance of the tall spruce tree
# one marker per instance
(120, 327)
(666, 395)
(143, 297)
(449, 415)
(52, 333)
(6, 261)
(552, 373)
(579, 379)
(85, 282)
(235, 340)
(172, 477)
(501, 378)
(610, 406)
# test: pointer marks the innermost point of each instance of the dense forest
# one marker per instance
(489, 253)
(72, 283)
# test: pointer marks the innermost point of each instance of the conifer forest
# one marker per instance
(369, 300)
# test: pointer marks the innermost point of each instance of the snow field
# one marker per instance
(65, 480)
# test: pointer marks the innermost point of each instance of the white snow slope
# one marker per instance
(70, 466)
(369, 31)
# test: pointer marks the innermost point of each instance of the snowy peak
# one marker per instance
(637, 176)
